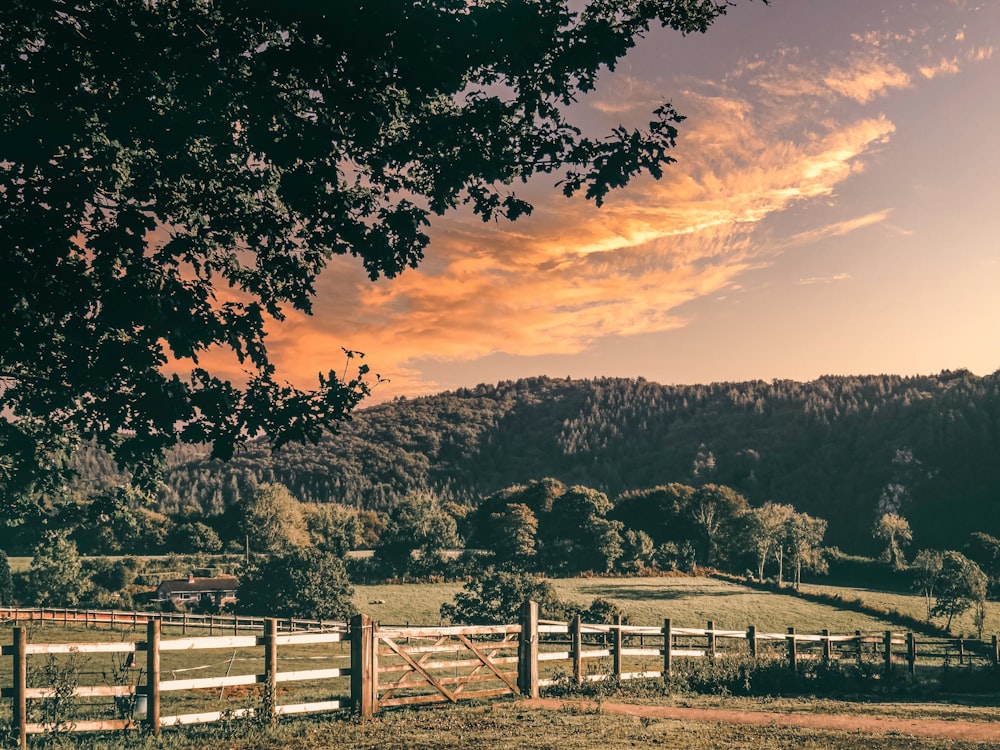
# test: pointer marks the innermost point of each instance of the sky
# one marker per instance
(834, 209)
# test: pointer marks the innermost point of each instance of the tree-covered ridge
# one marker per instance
(844, 448)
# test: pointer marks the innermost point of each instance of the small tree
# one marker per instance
(56, 577)
(306, 582)
(515, 535)
(419, 526)
(765, 530)
(927, 569)
(805, 539)
(962, 586)
(273, 520)
(894, 531)
(496, 596)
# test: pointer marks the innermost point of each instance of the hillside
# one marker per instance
(842, 448)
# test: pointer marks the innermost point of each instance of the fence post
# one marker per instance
(577, 648)
(827, 646)
(995, 652)
(20, 684)
(793, 653)
(618, 642)
(961, 650)
(887, 654)
(527, 651)
(271, 668)
(911, 652)
(711, 639)
(364, 666)
(153, 675)
(752, 640)
(668, 646)
(861, 647)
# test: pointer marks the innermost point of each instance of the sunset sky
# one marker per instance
(835, 209)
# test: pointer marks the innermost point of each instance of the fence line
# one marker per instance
(395, 666)
(133, 619)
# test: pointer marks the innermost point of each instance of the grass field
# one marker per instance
(689, 602)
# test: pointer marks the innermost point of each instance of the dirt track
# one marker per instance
(970, 731)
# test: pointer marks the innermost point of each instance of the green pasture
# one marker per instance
(912, 605)
(688, 602)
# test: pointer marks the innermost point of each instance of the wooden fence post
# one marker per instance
(887, 654)
(577, 649)
(961, 650)
(995, 652)
(752, 640)
(527, 651)
(668, 646)
(618, 643)
(153, 675)
(271, 669)
(20, 685)
(364, 666)
(827, 646)
(711, 639)
(793, 653)
(911, 652)
(861, 647)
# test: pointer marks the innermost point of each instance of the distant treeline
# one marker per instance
(847, 449)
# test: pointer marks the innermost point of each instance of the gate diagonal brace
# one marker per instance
(423, 672)
(487, 663)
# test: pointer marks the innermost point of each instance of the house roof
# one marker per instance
(193, 585)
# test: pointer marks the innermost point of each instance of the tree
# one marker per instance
(962, 585)
(894, 530)
(495, 596)
(715, 510)
(273, 520)
(805, 537)
(305, 582)
(333, 528)
(195, 536)
(576, 534)
(6, 581)
(515, 535)
(174, 175)
(984, 550)
(927, 568)
(55, 576)
(417, 526)
(765, 532)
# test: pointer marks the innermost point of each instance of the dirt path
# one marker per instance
(953, 730)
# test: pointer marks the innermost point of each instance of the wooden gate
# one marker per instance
(432, 665)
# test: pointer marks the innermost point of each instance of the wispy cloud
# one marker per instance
(825, 279)
(839, 228)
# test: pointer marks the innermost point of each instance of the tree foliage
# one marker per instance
(273, 520)
(306, 583)
(962, 585)
(175, 174)
(494, 596)
(417, 526)
(56, 577)
(894, 531)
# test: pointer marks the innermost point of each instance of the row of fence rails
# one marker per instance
(159, 691)
(183, 620)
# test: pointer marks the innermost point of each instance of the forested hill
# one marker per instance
(843, 448)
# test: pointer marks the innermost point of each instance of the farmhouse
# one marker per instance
(189, 591)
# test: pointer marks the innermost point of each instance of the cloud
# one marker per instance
(865, 79)
(839, 228)
(825, 279)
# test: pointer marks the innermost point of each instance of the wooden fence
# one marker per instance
(129, 619)
(393, 666)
